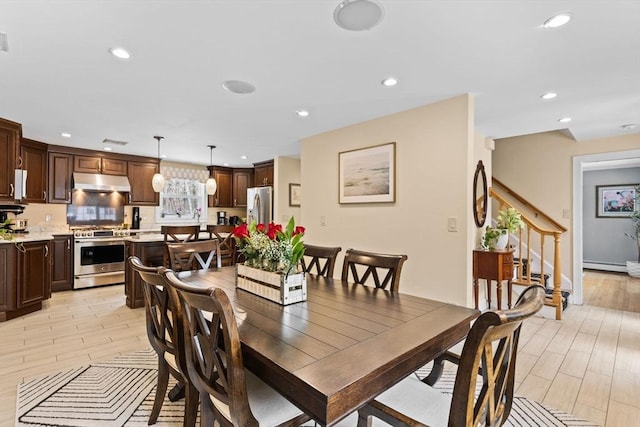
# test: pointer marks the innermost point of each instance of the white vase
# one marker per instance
(503, 240)
(633, 268)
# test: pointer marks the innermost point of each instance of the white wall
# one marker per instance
(435, 162)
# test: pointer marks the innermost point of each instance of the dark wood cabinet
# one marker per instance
(140, 176)
(151, 254)
(34, 161)
(10, 133)
(7, 279)
(60, 172)
(26, 280)
(263, 173)
(34, 273)
(242, 179)
(224, 193)
(62, 260)
(99, 164)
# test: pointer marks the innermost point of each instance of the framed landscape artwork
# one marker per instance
(367, 175)
(615, 201)
(294, 194)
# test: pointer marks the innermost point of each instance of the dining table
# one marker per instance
(341, 347)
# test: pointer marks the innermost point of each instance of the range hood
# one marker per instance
(98, 182)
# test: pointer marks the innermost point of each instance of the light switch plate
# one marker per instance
(452, 224)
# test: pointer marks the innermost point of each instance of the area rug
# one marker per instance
(120, 392)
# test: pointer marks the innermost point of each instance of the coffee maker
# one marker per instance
(222, 217)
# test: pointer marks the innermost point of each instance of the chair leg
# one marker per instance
(161, 389)
(364, 420)
(192, 398)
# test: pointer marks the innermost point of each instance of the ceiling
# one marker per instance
(58, 75)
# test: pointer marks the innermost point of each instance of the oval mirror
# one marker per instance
(479, 195)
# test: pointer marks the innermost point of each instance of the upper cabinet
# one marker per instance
(60, 171)
(140, 176)
(99, 164)
(263, 173)
(242, 179)
(34, 161)
(224, 193)
(10, 133)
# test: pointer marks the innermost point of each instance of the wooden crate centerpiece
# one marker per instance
(275, 287)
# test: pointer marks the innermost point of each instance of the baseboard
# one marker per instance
(604, 267)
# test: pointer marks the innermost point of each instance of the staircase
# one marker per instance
(539, 229)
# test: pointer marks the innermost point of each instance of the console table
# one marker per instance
(493, 265)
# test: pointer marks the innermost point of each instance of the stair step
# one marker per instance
(564, 294)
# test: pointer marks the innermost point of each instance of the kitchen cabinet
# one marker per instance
(224, 181)
(140, 175)
(152, 255)
(25, 277)
(242, 179)
(99, 164)
(34, 161)
(263, 173)
(10, 133)
(60, 172)
(62, 263)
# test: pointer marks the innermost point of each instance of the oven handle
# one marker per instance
(110, 273)
(104, 239)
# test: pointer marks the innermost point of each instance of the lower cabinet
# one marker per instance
(151, 254)
(62, 260)
(26, 279)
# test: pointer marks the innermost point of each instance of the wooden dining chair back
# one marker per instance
(178, 234)
(194, 255)
(368, 265)
(320, 260)
(488, 357)
(229, 394)
(224, 234)
(162, 331)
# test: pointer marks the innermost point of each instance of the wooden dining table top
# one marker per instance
(343, 346)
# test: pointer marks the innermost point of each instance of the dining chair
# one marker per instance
(162, 333)
(373, 263)
(186, 256)
(321, 257)
(229, 394)
(224, 234)
(177, 233)
(488, 355)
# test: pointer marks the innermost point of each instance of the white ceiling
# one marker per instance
(58, 75)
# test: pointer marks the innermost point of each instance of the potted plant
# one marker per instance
(509, 221)
(633, 267)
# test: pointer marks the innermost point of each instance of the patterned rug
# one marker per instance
(120, 392)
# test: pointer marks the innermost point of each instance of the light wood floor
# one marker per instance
(611, 290)
(587, 364)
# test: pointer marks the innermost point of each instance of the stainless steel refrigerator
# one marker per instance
(259, 205)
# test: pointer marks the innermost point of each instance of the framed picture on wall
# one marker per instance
(367, 175)
(616, 201)
(294, 194)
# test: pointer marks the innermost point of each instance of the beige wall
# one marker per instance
(539, 167)
(435, 162)
(286, 170)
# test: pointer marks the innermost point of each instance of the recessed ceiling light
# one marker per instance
(164, 156)
(629, 126)
(237, 86)
(557, 20)
(107, 148)
(549, 95)
(225, 164)
(302, 113)
(120, 53)
(243, 157)
(565, 120)
(65, 135)
(390, 81)
(358, 15)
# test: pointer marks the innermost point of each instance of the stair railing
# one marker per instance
(525, 243)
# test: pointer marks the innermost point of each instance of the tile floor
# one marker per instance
(587, 364)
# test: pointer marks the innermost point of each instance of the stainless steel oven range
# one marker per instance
(99, 257)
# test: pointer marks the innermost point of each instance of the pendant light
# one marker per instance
(158, 180)
(211, 184)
